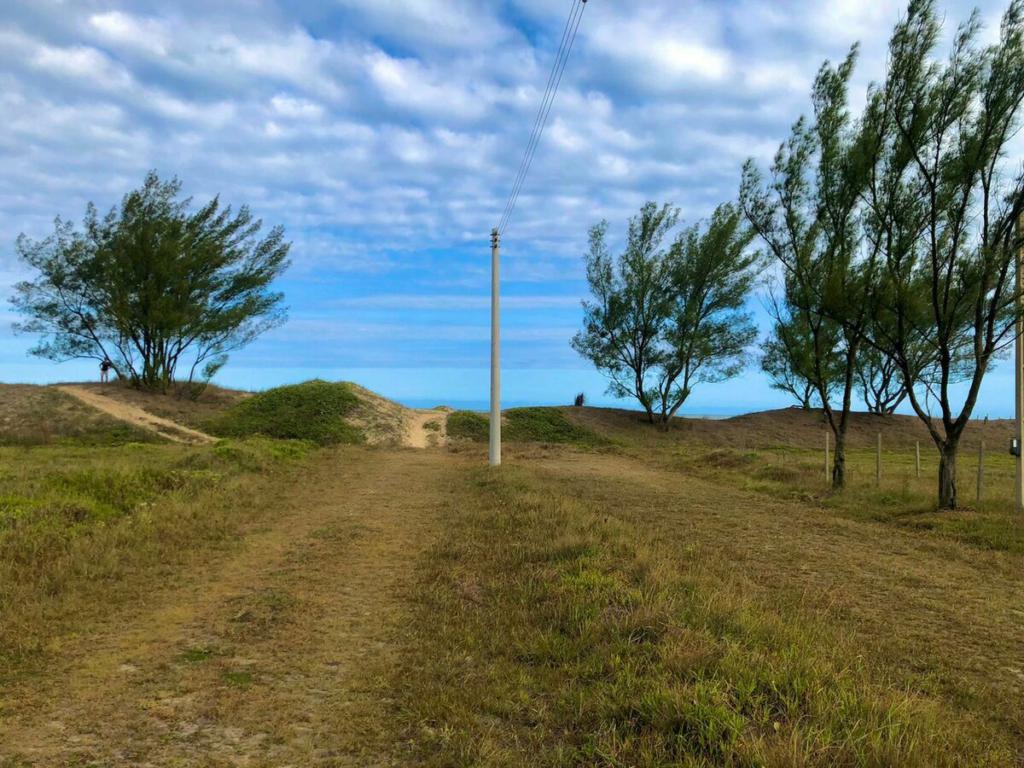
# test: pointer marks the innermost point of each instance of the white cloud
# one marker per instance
(125, 30)
(83, 64)
(385, 134)
(296, 108)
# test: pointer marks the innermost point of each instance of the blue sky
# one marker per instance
(385, 135)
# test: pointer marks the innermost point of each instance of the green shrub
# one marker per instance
(467, 425)
(315, 411)
(546, 425)
(524, 425)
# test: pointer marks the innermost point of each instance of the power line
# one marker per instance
(572, 25)
(540, 113)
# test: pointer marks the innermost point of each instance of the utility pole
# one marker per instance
(1019, 369)
(495, 452)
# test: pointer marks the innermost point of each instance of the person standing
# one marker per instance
(105, 367)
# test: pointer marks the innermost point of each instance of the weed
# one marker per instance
(196, 655)
(238, 679)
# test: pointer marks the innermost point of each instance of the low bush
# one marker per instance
(315, 411)
(524, 425)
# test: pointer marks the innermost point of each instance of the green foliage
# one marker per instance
(663, 320)
(546, 425)
(791, 356)
(152, 285)
(523, 425)
(898, 231)
(944, 202)
(806, 213)
(315, 411)
(468, 425)
(881, 383)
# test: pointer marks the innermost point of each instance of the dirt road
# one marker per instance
(272, 657)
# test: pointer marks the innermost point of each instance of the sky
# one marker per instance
(384, 135)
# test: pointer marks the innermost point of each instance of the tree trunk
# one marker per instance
(839, 463)
(947, 476)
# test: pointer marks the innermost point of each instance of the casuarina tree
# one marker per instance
(153, 286)
(664, 319)
(806, 213)
(942, 206)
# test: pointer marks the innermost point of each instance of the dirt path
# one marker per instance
(137, 416)
(274, 657)
(425, 429)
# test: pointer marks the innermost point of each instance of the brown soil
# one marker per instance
(273, 656)
(136, 416)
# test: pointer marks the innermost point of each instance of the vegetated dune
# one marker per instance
(36, 415)
(318, 411)
(786, 427)
(329, 413)
(176, 405)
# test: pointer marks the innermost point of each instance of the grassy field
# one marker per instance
(83, 528)
(615, 595)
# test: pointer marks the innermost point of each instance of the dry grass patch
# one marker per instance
(557, 629)
(83, 529)
(32, 415)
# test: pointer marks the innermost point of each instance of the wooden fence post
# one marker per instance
(878, 463)
(981, 468)
(826, 459)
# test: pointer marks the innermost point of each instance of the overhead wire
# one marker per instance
(540, 112)
(540, 123)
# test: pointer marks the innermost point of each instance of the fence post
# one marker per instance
(878, 463)
(918, 459)
(826, 459)
(981, 468)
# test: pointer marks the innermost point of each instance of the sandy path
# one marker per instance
(425, 429)
(137, 416)
(275, 657)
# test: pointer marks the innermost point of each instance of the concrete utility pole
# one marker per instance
(1019, 371)
(495, 452)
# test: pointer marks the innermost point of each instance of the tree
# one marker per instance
(664, 320)
(807, 214)
(881, 383)
(788, 356)
(942, 208)
(152, 285)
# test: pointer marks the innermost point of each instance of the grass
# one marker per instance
(315, 411)
(902, 500)
(662, 601)
(525, 425)
(82, 529)
(32, 415)
(180, 403)
(553, 631)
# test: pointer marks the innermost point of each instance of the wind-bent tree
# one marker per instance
(788, 355)
(663, 320)
(942, 209)
(881, 383)
(807, 214)
(152, 285)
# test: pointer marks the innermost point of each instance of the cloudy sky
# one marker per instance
(385, 135)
